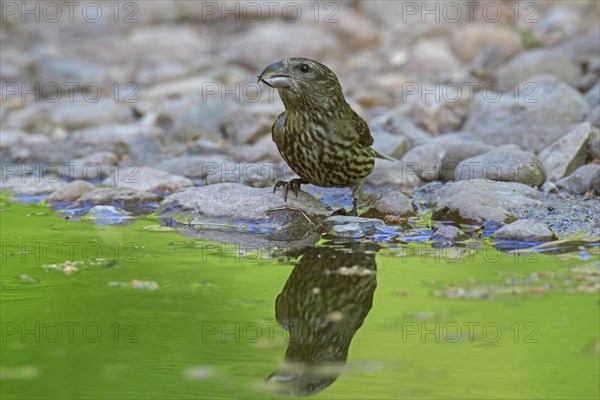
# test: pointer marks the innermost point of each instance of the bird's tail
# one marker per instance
(379, 155)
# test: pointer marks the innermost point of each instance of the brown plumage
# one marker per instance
(319, 135)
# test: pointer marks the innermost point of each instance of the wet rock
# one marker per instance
(32, 185)
(71, 192)
(121, 197)
(530, 125)
(426, 159)
(149, 179)
(393, 203)
(107, 215)
(476, 201)
(567, 153)
(581, 181)
(247, 124)
(235, 201)
(448, 233)
(507, 163)
(525, 230)
(193, 166)
(473, 39)
(537, 62)
(392, 173)
(346, 226)
(456, 153)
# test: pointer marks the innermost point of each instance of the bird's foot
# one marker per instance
(293, 185)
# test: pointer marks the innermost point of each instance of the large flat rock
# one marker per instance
(480, 200)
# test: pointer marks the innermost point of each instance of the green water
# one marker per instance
(151, 314)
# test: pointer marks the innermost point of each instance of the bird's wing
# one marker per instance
(277, 129)
(356, 129)
(352, 129)
(362, 130)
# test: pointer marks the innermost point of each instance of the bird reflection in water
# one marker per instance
(323, 303)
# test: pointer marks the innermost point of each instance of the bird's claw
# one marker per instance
(293, 185)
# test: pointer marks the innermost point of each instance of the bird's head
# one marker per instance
(299, 379)
(303, 83)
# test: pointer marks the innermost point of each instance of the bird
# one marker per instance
(324, 302)
(321, 138)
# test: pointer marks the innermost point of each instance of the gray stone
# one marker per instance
(95, 166)
(247, 124)
(393, 203)
(567, 153)
(596, 182)
(392, 173)
(32, 185)
(139, 142)
(397, 124)
(472, 39)
(148, 179)
(580, 181)
(192, 116)
(479, 200)
(71, 192)
(594, 145)
(592, 96)
(390, 145)
(242, 49)
(39, 148)
(537, 62)
(581, 49)
(456, 153)
(529, 124)
(83, 114)
(193, 166)
(10, 140)
(448, 233)
(426, 159)
(525, 230)
(507, 163)
(593, 116)
(123, 197)
(259, 174)
(350, 227)
(263, 150)
(235, 201)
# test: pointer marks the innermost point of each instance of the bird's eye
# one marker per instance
(304, 68)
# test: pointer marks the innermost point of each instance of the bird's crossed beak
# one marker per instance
(276, 75)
